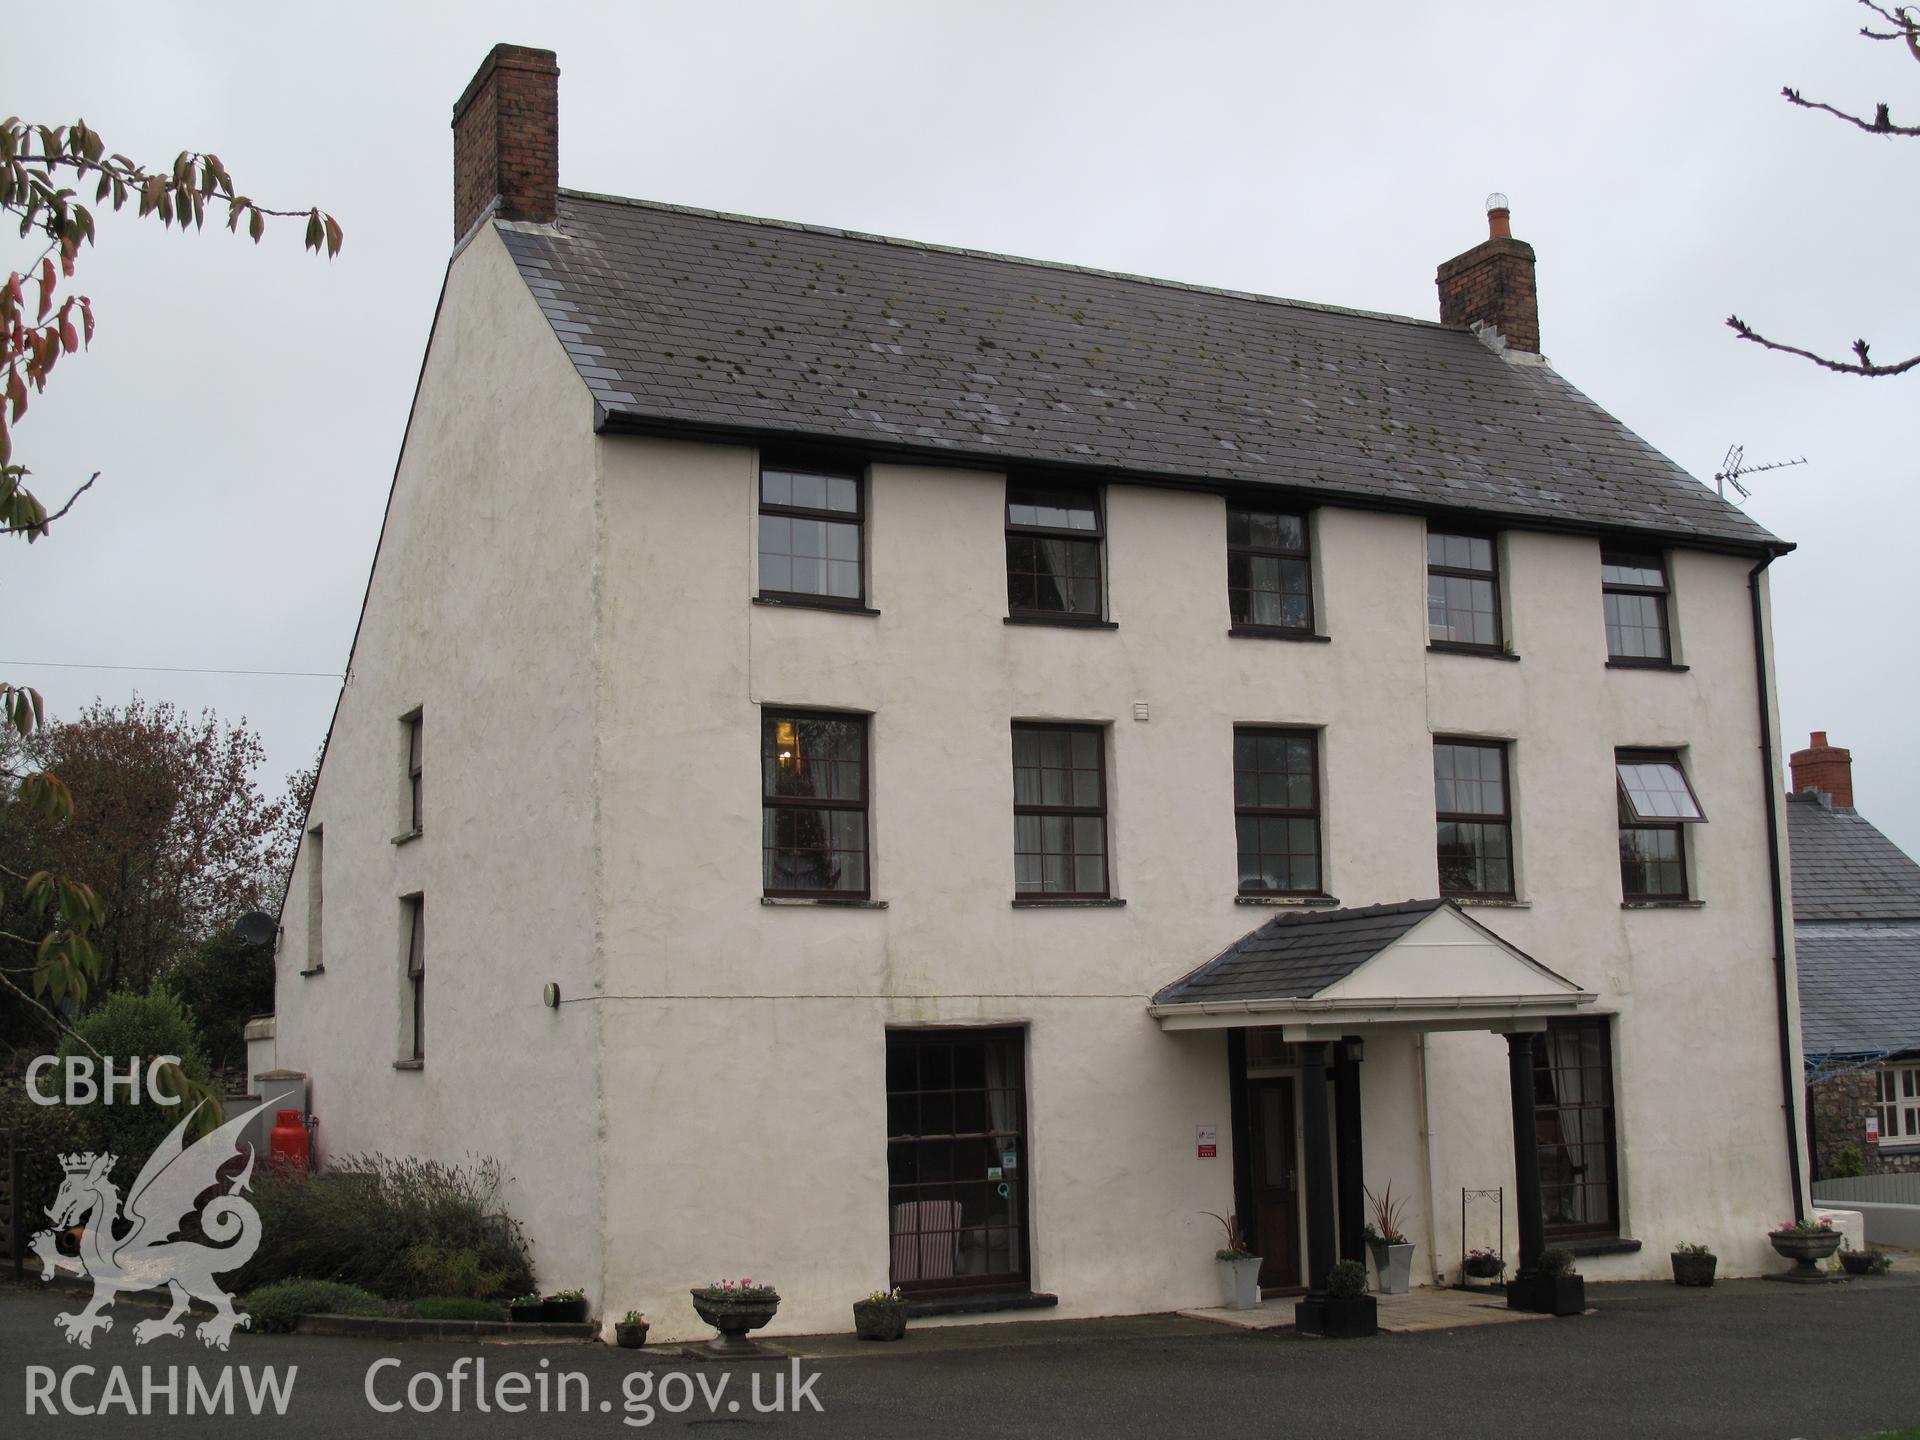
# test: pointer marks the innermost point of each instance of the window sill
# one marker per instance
(1285, 900)
(1256, 632)
(1663, 904)
(1037, 902)
(1061, 622)
(316, 970)
(829, 902)
(782, 602)
(980, 1304)
(1600, 1245)
(1621, 662)
(409, 1064)
(1485, 652)
(1487, 902)
(407, 836)
(1900, 1147)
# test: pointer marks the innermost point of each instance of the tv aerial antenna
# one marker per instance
(1734, 465)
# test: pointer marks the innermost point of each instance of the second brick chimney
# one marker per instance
(506, 139)
(1826, 768)
(1492, 284)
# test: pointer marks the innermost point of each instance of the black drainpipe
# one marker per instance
(1789, 1080)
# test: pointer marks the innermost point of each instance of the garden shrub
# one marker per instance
(127, 1026)
(402, 1228)
(457, 1307)
(275, 1307)
(1347, 1279)
(1848, 1163)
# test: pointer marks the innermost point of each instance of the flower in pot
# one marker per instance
(1239, 1266)
(1392, 1251)
(565, 1307)
(527, 1310)
(1857, 1262)
(1552, 1289)
(1806, 1243)
(881, 1316)
(1483, 1263)
(1347, 1312)
(735, 1307)
(1693, 1265)
(630, 1330)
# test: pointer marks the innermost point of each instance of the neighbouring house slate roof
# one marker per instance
(1859, 988)
(1296, 956)
(1844, 869)
(701, 323)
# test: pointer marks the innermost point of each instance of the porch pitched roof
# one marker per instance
(1421, 963)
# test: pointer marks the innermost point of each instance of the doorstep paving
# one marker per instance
(1427, 1307)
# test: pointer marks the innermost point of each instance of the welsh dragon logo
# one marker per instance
(136, 1249)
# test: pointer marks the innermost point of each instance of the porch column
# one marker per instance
(1353, 1183)
(1526, 1153)
(1313, 1105)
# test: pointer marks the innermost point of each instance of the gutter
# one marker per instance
(1789, 1079)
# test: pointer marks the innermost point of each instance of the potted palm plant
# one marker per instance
(881, 1316)
(1239, 1266)
(1392, 1251)
(630, 1331)
(1693, 1265)
(734, 1307)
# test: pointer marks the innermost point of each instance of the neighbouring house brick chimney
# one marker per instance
(1492, 284)
(506, 139)
(1826, 768)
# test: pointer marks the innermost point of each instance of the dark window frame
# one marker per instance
(857, 518)
(1304, 555)
(1014, 1040)
(1097, 537)
(415, 721)
(1629, 821)
(1503, 818)
(1283, 812)
(416, 972)
(1661, 593)
(1543, 1065)
(1491, 576)
(1099, 733)
(864, 805)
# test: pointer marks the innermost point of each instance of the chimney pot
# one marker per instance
(1493, 284)
(506, 139)
(1827, 769)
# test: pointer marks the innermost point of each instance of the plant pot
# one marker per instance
(1693, 1269)
(1806, 1251)
(880, 1319)
(529, 1314)
(630, 1337)
(564, 1312)
(1337, 1317)
(1392, 1266)
(1240, 1282)
(1548, 1294)
(733, 1317)
(1482, 1267)
(1857, 1262)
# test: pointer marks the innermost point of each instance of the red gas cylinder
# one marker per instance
(288, 1142)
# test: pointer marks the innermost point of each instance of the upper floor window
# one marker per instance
(1276, 810)
(316, 880)
(1655, 803)
(1897, 1104)
(810, 536)
(1053, 552)
(1269, 576)
(1463, 590)
(416, 738)
(1060, 812)
(414, 908)
(1474, 815)
(1633, 591)
(813, 821)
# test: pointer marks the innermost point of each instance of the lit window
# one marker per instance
(813, 809)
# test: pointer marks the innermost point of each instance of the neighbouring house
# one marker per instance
(1856, 924)
(868, 763)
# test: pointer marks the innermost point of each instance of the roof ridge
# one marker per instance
(873, 237)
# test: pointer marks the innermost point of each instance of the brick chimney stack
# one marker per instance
(1492, 284)
(1826, 768)
(506, 139)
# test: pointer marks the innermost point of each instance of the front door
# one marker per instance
(1276, 1181)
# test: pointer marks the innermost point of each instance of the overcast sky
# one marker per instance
(244, 406)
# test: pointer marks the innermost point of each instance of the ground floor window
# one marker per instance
(1898, 1103)
(1573, 1122)
(957, 1159)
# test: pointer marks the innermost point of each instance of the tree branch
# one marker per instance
(1881, 124)
(1864, 367)
(51, 1018)
(41, 528)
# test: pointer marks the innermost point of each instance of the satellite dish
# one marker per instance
(255, 928)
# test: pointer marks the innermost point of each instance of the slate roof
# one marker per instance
(1293, 956)
(1859, 988)
(1844, 869)
(693, 322)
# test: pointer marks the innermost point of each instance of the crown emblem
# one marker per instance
(78, 1163)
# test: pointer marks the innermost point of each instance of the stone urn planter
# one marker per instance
(1806, 1248)
(1392, 1266)
(734, 1314)
(881, 1318)
(630, 1334)
(1692, 1267)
